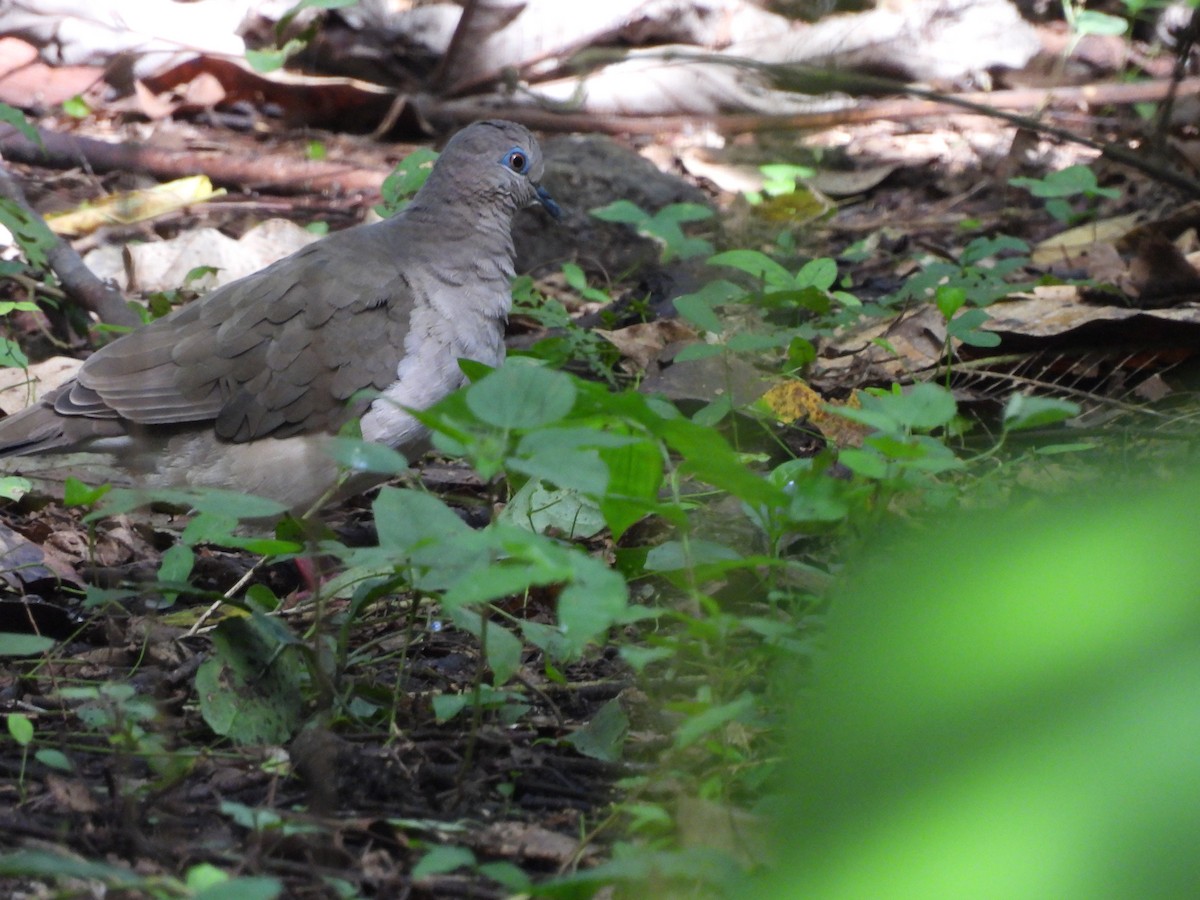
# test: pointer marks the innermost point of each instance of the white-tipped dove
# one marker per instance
(243, 388)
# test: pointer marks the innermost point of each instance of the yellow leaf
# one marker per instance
(791, 401)
(134, 206)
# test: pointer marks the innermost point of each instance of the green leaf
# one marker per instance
(622, 211)
(699, 311)
(358, 455)
(781, 178)
(204, 875)
(581, 470)
(1059, 449)
(258, 887)
(817, 273)
(565, 512)
(14, 487)
(441, 860)
(47, 864)
(673, 555)
(10, 115)
(801, 353)
(756, 264)
(699, 350)
(591, 604)
(750, 342)
(604, 735)
(33, 236)
(235, 504)
(952, 744)
(712, 413)
(975, 338)
(11, 355)
(701, 724)
(286, 19)
(697, 307)
(708, 457)
(408, 176)
(176, 564)
(684, 212)
(521, 396)
(817, 500)
(54, 759)
(1023, 411)
(264, 61)
(991, 246)
(864, 463)
(501, 648)
(640, 657)
(966, 325)
(1094, 22)
(250, 817)
(208, 528)
(197, 272)
(20, 727)
(635, 474)
(577, 280)
(950, 300)
(447, 706)
(925, 406)
(489, 580)
(509, 875)
(1069, 182)
(215, 501)
(684, 247)
(76, 107)
(251, 689)
(13, 644)
(407, 519)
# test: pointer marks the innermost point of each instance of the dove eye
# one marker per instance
(517, 161)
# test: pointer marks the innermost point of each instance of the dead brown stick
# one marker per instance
(997, 104)
(266, 172)
(78, 281)
(1028, 99)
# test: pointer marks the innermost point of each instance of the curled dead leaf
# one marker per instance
(644, 342)
(792, 401)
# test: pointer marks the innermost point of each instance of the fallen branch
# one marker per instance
(452, 113)
(78, 281)
(268, 172)
(924, 103)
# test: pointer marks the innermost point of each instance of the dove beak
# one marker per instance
(548, 203)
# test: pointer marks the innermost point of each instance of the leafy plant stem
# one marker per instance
(410, 630)
(476, 711)
(477, 685)
(697, 597)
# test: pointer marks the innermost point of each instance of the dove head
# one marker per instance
(491, 162)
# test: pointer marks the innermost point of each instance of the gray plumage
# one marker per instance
(242, 388)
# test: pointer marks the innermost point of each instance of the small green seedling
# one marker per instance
(664, 226)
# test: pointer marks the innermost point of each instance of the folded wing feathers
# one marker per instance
(276, 353)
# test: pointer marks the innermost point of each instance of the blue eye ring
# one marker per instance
(517, 160)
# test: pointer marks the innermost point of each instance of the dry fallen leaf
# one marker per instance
(791, 401)
(1069, 244)
(71, 795)
(165, 265)
(642, 343)
(21, 387)
(134, 206)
